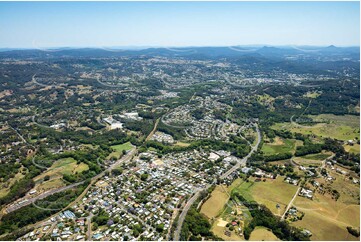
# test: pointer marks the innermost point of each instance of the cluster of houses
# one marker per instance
(262, 174)
(145, 196)
(309, 171)
(162, 137)
(206, 127)
(166, 94)
(292, 181)
(59, 228)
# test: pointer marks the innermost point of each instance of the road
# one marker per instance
(89, 232)
(244, 160)
(15, 206)
(183, 215)
(290, 203)
(196, 195)
(21, 137)
(127, 157)
(153, 131)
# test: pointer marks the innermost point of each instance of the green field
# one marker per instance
(338, 127)
(118, 150)
(61, 167)
(319, 156)
(279, 146)
(269, 193)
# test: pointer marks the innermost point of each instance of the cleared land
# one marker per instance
(319, 156)
(352, 148)
(182, 144)
(312, 94)
(269, 193)
(56, 172)
(262, 233)
(338, 127)
(219, 227)
(218, 208)
(51, 184)
(214, 205)
(279, 146)
(326, 218)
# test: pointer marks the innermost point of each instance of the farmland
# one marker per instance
(327, 219)
(338, 127)
(214, 205)
(269, 193)
(353, 148)
(261, 233)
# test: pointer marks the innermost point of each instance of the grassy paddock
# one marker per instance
(326, 218)
(214, 205)
(119, 149)
(61, 167)
(279, 146)
(352, 148)
(269, 193)
(262, 233)
(338, 127)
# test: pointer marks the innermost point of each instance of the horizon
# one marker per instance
(32, 25)
(290, 46)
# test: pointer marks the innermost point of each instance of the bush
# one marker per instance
(353, 231)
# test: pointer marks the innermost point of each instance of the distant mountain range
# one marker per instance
(195, 52)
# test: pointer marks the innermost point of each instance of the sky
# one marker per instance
(102, 24)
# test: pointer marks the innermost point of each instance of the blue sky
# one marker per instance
(91, 24)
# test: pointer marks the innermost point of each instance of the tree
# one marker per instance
(144, 176)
